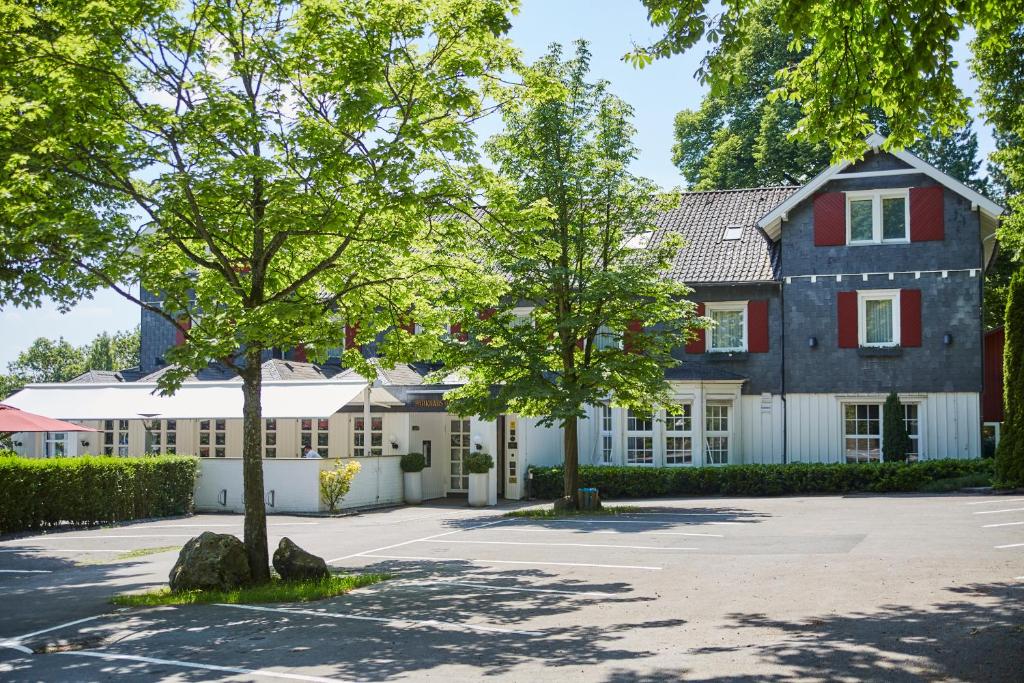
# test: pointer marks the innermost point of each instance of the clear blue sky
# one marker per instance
(656, 93)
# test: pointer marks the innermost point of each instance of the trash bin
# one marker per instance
(588, 499)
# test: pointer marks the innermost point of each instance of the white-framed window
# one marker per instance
(862, 432)
(314, 432)
(733, 232)
(606, 433)
(55, 444)
(639, 439)
(911, 420)
(606, 339)
(213, 438)
(359, 436)
(878, 216)
(878, 317)
(269, 438)
(716, 433)
(679, 434)
(115, 437)
(729, 333)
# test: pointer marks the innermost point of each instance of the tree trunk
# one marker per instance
(570, 441)
(255, 535)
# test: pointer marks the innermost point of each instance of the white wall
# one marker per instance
(760, 425)
(950, 424)
(295, 483)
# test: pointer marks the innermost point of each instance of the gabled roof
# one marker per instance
(107, 376)
(702, 217)
(771, 222)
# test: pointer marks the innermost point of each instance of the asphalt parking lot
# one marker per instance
(817, 588)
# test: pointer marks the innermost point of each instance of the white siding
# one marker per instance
(760, 424)
(950, 424)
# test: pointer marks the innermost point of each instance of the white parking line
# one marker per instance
(990, 526)
(47, 539)
(612, 521)
(491, 586)
(17, 643)
(26, 571)
(553, 564)
(1010, 545)
(659, 533)
(396, 623)
(996, 501)
(417, 540)
(566, 545)
(996, 512)
(268, 673)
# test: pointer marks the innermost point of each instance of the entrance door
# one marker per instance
(460, 445)
(500, 456)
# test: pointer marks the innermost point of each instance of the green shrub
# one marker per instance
(478, 463)
(412, 462)
(93, 489)
(335, 483)
(756, 480)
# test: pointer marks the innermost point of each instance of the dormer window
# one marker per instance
(877, 217)
(733, 232)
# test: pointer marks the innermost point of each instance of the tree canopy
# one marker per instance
(275, 167)
(576, 310)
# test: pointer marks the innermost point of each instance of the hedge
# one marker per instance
(756, 480)
(93, 489)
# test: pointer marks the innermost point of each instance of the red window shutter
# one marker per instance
(179, 331)
(698, 344)
(927, 219)
(299, 353)
(456, 331)
(350, 336)
(757, 326)
(910, 317)
(410, 327)
(486, 314)
(633, 329)
(846, 309)
(830, 219)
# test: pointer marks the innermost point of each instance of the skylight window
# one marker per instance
(733, 232)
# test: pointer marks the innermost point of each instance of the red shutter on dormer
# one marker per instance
(757, 326)
(846, 311)
(910, 317)
(697, 345)
(633, 330)
(927, 219)
(350, 336)
(179, 331)
(830, 219)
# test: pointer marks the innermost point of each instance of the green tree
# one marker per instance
(854, 56)
(48, 360)
(895, 440)
(278, 162)
(741, 136)
(114, 352)
(1010, 453)
(567, 236)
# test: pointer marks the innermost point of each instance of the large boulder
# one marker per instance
(293, 563)
(211, 562)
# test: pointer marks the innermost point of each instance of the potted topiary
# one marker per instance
(478, 465)
(412, 477)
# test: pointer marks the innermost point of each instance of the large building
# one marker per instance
(825, 298)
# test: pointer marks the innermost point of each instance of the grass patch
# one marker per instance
(956, 483)
(275, 591)
(549, 513)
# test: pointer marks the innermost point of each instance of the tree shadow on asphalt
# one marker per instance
(978, 636)
(528, 628)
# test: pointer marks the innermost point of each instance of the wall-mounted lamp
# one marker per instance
(812, 342)
(85, 443)
(394, 442)
(478, 442)
(18, 444)
(947, 339)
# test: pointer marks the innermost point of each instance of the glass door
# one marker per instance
(459, 450)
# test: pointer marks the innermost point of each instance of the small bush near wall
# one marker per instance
(757, 480)
(92, 489)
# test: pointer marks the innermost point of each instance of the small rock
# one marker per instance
(294, 563)
(211, 562)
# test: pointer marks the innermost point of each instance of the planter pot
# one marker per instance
(413, 487)
(478, 490)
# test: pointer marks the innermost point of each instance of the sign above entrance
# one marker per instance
(427, 402)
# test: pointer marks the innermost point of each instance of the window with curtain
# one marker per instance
(878, 321)
(728, 332)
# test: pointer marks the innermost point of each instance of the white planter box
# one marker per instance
(478, 490)
(413, 487)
